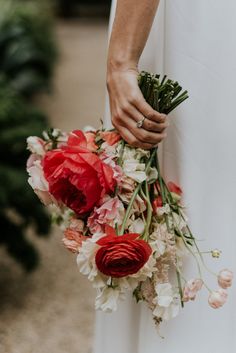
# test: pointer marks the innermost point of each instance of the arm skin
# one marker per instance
(131, 27)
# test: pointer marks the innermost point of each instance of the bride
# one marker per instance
(192, 42)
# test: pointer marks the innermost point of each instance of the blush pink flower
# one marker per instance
(217, 298)
(37, 180)
(110, 212)
(191, 288)
(73, 236)
(111, 137)
(36, 145)
(90, 137)
(117, 170)
(225, 278)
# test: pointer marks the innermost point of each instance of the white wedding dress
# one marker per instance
(193, 42)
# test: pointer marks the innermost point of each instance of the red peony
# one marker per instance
(76, 176)
(120, 256)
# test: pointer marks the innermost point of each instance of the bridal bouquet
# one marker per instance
(124, 222)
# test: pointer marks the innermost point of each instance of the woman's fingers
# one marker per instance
(148, 124)
(147, 111)
(141, 136)
(145, 135)
(132, 140)
(128, 107)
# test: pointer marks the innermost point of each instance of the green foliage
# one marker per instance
(19, 207)
(27, 58)
(27, 46)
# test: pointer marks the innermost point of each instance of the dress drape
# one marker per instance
(193, 42)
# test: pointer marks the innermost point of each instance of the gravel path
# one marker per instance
(51, 310)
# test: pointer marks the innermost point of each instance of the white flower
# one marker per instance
(38, 182)
(158, 238)
(134, 169)
(158, 246)
(36, 145)
(128, 283)
(134, 153)
(152, 175)
(179, 222)
(167, 303)
(86, 260)
(167, 313)
(164, 294)
(107, 299)
(163, 210)
(137, 226)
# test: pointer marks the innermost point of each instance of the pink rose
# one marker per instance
(37, 180)
(225, 278)
(217, 298)
(111, 212)
(191, 288)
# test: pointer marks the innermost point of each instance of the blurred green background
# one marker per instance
(52, 73)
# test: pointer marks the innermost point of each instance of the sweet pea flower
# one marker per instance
(107, 299)
(36, 145)
(191, 288)
(217, 298)
(225, 278)
(167, 303)
(111, 137)
(73, 235)
(91, 144)
(38, 182)
(110, 212)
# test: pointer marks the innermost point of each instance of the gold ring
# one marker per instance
(139, 123)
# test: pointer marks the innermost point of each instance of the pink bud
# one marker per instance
(191, 288)
(217, 298)
(225, 278)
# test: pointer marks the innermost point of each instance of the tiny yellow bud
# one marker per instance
(216, 253)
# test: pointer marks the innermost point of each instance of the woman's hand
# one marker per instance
(128, 106)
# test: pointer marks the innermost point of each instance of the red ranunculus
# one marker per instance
(174, 188)
(76, 176)
(120, 256)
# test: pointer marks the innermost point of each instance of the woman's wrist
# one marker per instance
(121, 64)
(117, 67)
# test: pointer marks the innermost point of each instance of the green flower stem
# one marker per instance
(136, 191)
(119, 161)
(149, 213)
(180, 287)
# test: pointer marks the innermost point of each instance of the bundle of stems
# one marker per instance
(163, 95)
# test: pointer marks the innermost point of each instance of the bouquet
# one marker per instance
(126, 225)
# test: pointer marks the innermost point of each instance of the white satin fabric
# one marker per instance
(193, 42)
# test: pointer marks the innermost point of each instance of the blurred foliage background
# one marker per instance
(52, 72)
(27, 58)
(28, 55)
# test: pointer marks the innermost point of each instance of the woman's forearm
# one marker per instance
(131, 27)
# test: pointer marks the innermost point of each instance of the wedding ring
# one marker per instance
(139, 123)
